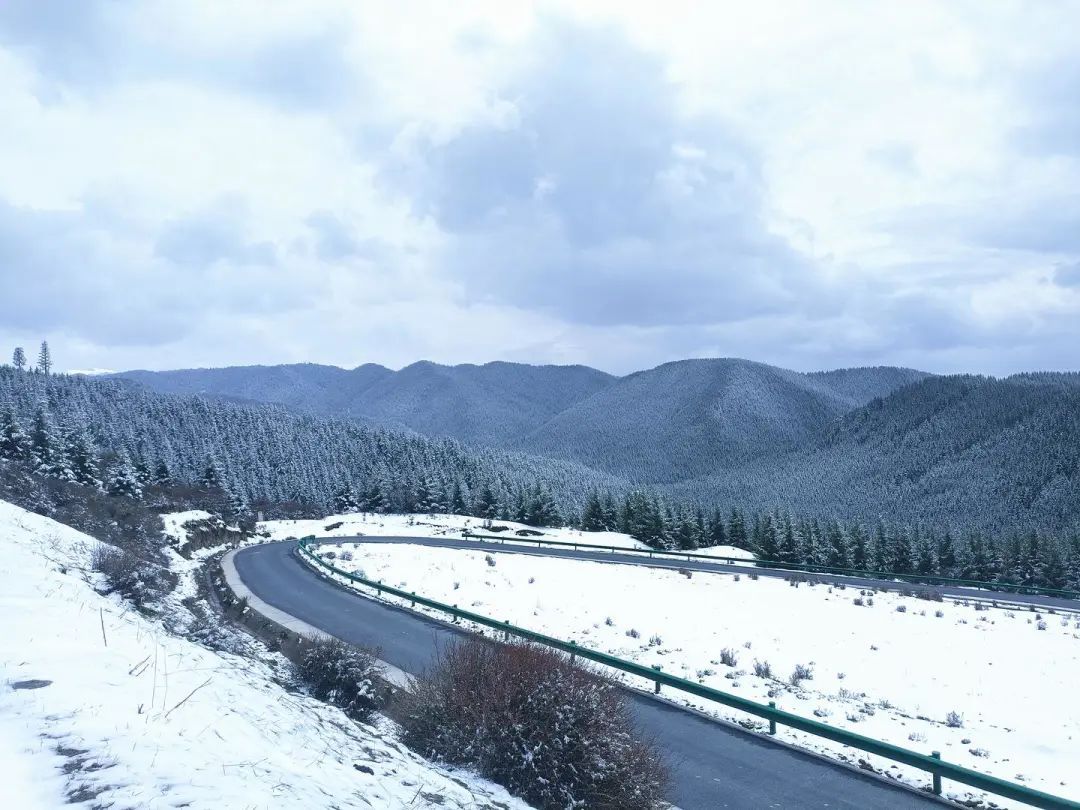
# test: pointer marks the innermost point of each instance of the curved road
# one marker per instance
(712, 765)
(519, 545)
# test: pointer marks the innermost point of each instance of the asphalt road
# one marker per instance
(712, 765)
(519, 545)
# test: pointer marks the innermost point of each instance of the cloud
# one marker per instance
(595, 199)
(210, 235)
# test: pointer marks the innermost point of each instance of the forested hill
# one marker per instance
(493, 404)
(673, 422)
(693, 417)
(73, 426)
(958, 450)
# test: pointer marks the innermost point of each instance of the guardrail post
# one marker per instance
(455, 614)
(573, 653)
(772, 720)
(937, 776)
(413, 599)
(658, 669)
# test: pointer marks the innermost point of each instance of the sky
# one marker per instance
(809, 184)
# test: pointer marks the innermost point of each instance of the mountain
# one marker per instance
(959, 449)
(692, 417)
(305, 387)
(492, 404)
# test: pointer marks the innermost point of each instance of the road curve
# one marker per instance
(519, 545)
(712, 765)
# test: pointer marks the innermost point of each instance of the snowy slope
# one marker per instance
(877, 671)
(376, 525)
(141, 718)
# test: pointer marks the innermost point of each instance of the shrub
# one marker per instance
(610, 622)
(939, 613)
(655, 640)
(901, 608)
(549, 731)
(801, 673)
(858, 601)
(133, 578)
(489, 560)
(954, 720)
(341, 675)
(762, 669)
(728, 657)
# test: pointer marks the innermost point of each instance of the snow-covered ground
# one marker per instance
(100, 703)
(893, 668)
(371, 524)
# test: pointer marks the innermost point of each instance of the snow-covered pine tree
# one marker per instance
(592, 516)
(18, 359)
(82, 458)
(737, 530)
(45, 363)
(162, 476)
(14, 442)
(47, 449)
(121, 480)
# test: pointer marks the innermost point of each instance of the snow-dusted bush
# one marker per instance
(342, 675)
(130, 576)
(800, 674)
(954, 720)
(526, 717)
(728, 657)
(763, 669)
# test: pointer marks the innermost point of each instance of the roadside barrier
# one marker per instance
(689, 556)
(933, 764)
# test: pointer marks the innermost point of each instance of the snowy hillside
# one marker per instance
(880, 664)
(98, 703)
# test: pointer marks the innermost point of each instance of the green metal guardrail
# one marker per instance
(933, 764)
(917, 579)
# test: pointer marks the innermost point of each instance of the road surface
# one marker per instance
(519, 545)
(712, 765)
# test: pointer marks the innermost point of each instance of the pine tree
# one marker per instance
(715, 531)
(457, 500)
(592, 517)
(789, 551)
(901, 559)
(162, 476)
(211, 475)
(121, 480)
(768, 545)
(838, 545)
(82, 458)
(44, 362)
(47, 450)
(737, 530)
(14, 443)
(18, 359)
(487, 505)
(344, 501)
(860, 551)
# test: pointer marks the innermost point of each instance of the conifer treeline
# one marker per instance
(1019, 558)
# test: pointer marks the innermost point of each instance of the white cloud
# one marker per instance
(610, 183)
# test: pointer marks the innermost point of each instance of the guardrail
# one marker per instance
(932, 764)
(916, 579)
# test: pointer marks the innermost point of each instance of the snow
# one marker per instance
(175, 521)
(143, 718)
(876, 671)
(421, 525)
